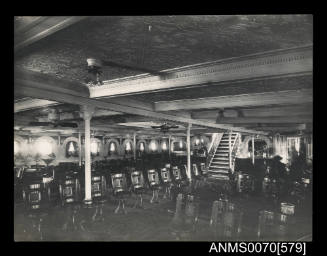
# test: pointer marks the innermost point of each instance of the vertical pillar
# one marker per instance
(253, 149)
(59, 142)
(188, 142)
(80, 149)
(169, 140)
(134, 145)
(87, 115)
(230, 148)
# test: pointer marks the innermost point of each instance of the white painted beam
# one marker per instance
(46, 27)
(260, 111)
(32, 104)
(33, 89)
(273, 119)
(243, 100)
(266, 65)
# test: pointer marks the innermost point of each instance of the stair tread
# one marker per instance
(218, 177)
(220, 173)
(219, 163)
(219, 167)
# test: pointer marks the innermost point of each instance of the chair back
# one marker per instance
(177, 173)
(32, 195)
(153, 177)
(137, 180)
(98, 185)
(168, 166)
(195, 170)
(165, 175)
(119, 184)
(266, 184)
(69, 189)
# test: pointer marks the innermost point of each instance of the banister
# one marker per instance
(213, 148)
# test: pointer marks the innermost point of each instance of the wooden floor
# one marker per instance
(153, 223)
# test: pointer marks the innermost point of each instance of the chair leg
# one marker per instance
(123, 202)
(73, 220)
(169, 192)
(39, 228)
(117, 209)
(95, 213)
(81, 224)
(101, 212)
(135, 205)
(157, 196)
(141, 201)
(153, 195)
(196, 184)
(139, 198)
(166, 193)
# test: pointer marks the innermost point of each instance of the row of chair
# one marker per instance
(226, 220)
(68, 188)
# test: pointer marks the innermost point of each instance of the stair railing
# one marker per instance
(213, 148)
(235, 145)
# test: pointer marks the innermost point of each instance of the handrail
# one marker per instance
(213, 148)
(234, 148)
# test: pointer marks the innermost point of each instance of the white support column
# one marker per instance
(80, 149)
(252, 149)
(169, 140)
(87, 114)
(134, 145)
(230, 148)
(188, 142)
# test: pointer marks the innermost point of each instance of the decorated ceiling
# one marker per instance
(160, 42)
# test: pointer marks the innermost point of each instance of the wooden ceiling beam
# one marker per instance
(34, 89)
(273, 127)
(239, 121)
(49, 82)
(265, 65)
(42, 28)
(278, 125)
(244, 100)
(32, 104)
(256, 112)
(129, 101)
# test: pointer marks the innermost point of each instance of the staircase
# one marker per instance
(221, 163)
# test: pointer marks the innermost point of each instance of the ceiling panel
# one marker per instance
(162, 42)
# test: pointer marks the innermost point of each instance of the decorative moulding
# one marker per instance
(262, 65)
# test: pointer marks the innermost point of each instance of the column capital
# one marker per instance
(87, 112)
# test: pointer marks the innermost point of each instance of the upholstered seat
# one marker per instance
(36, 205)
(120, 189)
(154, 183)
(99, 186)
(166, 180)
(69, 189)
(137, 182)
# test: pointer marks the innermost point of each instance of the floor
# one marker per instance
(153, 223)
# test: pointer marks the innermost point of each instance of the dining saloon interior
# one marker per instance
(163, 128)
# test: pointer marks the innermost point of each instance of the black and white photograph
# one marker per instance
(173, 128)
